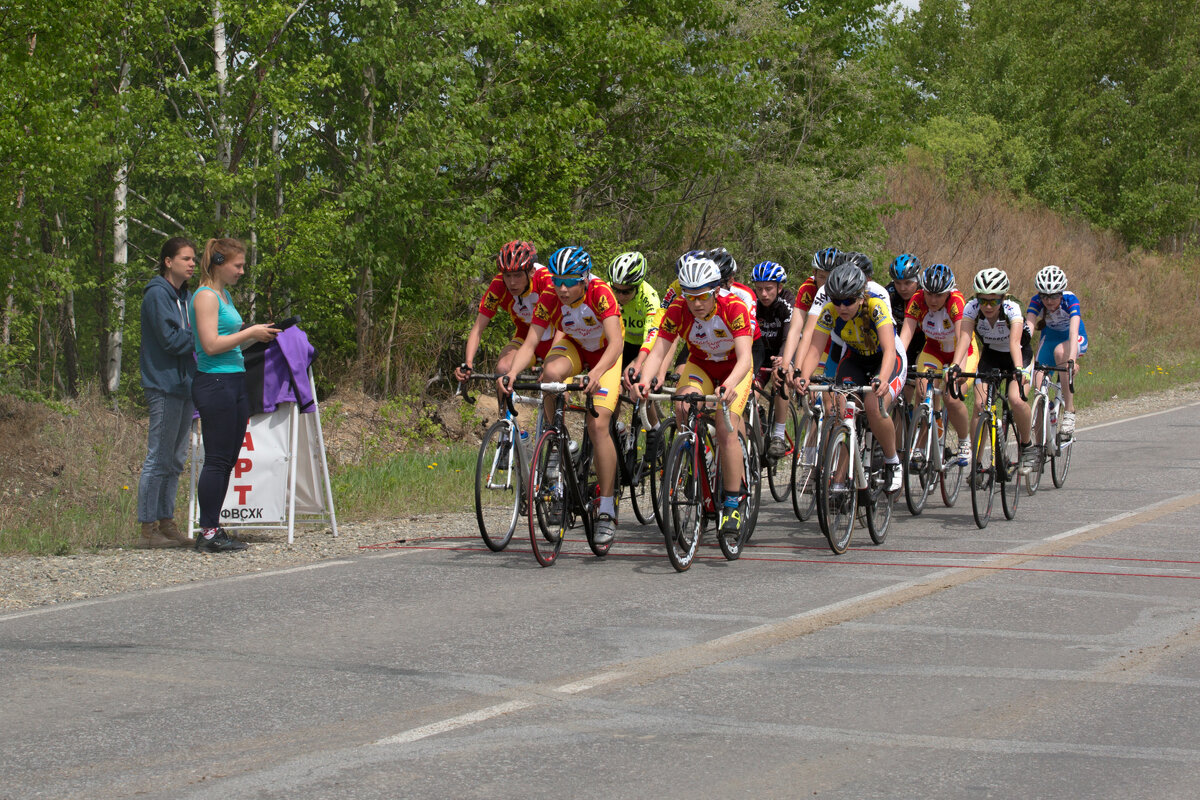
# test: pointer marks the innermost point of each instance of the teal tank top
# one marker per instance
(229, 321)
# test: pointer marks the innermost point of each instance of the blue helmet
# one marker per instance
(825, 260)
(905, 267)
(571, 260)
(937, 279)
(768, 271)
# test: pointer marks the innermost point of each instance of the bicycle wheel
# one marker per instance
(1060, 462)
(1037, 438)
(547, 494)
(1008, 468)
(879, 501)
(803, 491)
(586, 499)
(778, 472)
(683, 506)
(839, 500)
(983, 474)
(918, 472)
(639, 479)
(498, 485)
(752, 466)
(731, 544)
(952, 471)
(657, 495)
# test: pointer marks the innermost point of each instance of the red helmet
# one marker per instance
(516, 256)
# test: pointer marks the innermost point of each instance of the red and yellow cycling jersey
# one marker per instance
(805, 295)
(710, 341)
(582, 322)
(740, 290)
(498, 298)
(939, 327)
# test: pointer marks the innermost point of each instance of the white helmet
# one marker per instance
(698, 272)
(991, 281)
(1050, 280)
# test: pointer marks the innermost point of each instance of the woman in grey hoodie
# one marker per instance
(167, 366)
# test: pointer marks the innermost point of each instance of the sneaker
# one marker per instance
(808, 457)
(894, 476)
(777, 448)
(731, 520)
(605, 530)
(220, 543)
(1029, 458)
(1067, 426)
(964, 453)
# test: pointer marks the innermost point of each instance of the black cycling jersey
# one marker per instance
(773, 322)
(899, 307)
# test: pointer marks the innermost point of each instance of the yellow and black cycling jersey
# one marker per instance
(642, 314)
(860, 332)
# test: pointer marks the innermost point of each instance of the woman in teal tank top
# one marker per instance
(219, 389)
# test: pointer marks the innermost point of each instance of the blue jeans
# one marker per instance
(224, 408)
(170, 423)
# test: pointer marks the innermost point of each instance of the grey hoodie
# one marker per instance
(167, 359)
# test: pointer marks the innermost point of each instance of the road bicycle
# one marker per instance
(813, 429)
(562, 486)
(929, 457)
(994, 457)
(854, 476)
(501, 470)
(640, 452)
(693, 484)
(1052, 446)
(763, 423)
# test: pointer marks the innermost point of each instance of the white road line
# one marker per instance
(591, 683)
(1099, 425)
(460, 721)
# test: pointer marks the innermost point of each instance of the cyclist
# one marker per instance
(582, 308)
(905, 272)
(716, 326)
(801, 326)
(641, 311)
(1056, 313)
(774, 314)
(996, 318)
(935, 311)
(866, 327)
(515, 289)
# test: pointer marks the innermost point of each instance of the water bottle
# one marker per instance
(525, 445)
(851, 410)
(621, 438)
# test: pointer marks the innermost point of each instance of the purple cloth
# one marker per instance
(285, 372)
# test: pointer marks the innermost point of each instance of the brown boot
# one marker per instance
(152, 538)
(170, 530)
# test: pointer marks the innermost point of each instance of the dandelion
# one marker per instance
(126, 488)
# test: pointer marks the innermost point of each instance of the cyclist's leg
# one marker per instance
(727, 439)
(956, 409)
(879, 420)
(561, 363)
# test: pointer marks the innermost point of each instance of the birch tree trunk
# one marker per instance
(221, 67)
(116, 334)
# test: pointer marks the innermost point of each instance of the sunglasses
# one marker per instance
(699, 295)
(558, 280)
(988, 301)
(622, 289)
(1054, 296)
(843, 301)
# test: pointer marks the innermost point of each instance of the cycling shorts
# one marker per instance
(539, 352)
(610, 382)
(860, 369)
(1052, 339)
(927, 361)
(693, 377)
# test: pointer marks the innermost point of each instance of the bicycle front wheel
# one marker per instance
(547, 498)
(804, 448)
(1061, 462)
(878, 499)
(918, 451)
(778, 472)
(1008, 469)
(639, 481)
(951, 470)
(498, 482)
(658, 494)
(683, 504)
(983, 474)
(1037, 437)
(839, 499)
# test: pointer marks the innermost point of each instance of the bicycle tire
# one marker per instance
(1037, 438)
(840, 506)
(983, 475)
(657, 496)
(952, 472)
(548, 512)
(1060, 464)
(918, 479)
(1009, 468)
(498, 493)
(586, 500)
(639, 481)
(731, 545)
(752, 467)
(803, 491)
(779, 485)
(879, 500)
(684, 504)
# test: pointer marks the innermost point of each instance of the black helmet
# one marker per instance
(724, 261)
(847, 280)
(863, 262)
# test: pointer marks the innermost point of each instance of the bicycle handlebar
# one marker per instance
(987, 376)
(694, 399)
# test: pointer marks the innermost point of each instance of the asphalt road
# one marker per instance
(1051, 656)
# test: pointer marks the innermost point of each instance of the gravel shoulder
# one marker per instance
(37, 581)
